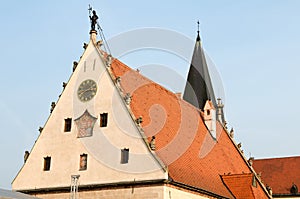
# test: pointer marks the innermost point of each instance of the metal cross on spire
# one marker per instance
(198, 31)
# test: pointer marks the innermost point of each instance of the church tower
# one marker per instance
(198, 88)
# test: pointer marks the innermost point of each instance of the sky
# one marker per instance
(254, 46)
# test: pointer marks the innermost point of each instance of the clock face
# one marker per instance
(87, 90)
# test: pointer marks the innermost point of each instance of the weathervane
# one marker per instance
(198, 26)
(93, 18)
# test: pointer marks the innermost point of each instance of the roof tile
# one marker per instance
(183, 142)
(279, 173)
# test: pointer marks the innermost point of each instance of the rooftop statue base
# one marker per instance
(93, 37)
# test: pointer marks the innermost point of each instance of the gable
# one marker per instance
(101, 149)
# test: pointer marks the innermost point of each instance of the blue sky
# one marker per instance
(253, 44)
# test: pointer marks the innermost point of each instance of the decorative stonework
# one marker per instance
(152, 143)
(52, 107)
(75, 64)
(85, 124)
(127, 98)
(85, 45)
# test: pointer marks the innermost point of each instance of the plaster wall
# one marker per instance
(103, 147)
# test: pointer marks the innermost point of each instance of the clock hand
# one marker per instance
(82, 92)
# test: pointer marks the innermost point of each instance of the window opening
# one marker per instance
(68, 124)
(83, 162)
(124, 156)
(47, 163)
(103, 119)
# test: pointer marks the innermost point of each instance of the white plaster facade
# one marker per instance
(147, 192)
(103, 148)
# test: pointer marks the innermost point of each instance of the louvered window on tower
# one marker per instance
(103, 119)
(124, 156)
(68, 124)
(47, 163)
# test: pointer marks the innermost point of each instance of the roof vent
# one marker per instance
(294, 189)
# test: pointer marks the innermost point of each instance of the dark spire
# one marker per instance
(198, 88)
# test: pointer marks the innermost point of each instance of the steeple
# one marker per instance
(198, 88)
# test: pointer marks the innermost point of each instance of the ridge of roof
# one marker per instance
(276, 158)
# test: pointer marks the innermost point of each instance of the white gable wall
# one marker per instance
(103, 148)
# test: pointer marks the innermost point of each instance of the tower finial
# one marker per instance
(93, 18)
(198, 31)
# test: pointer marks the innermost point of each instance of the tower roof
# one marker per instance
(198, 88)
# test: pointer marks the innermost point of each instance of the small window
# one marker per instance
(208, 112)
(103, 119)
(68, 124)
(124, 156)
(47, 163)
(83, 162)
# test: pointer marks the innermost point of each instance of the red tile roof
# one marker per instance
(279, 173)
(242, 186)
(183, 142)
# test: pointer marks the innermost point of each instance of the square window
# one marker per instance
(124, 156)
(68, 124)
(47, 163)
(83, 162)
(103, 119)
